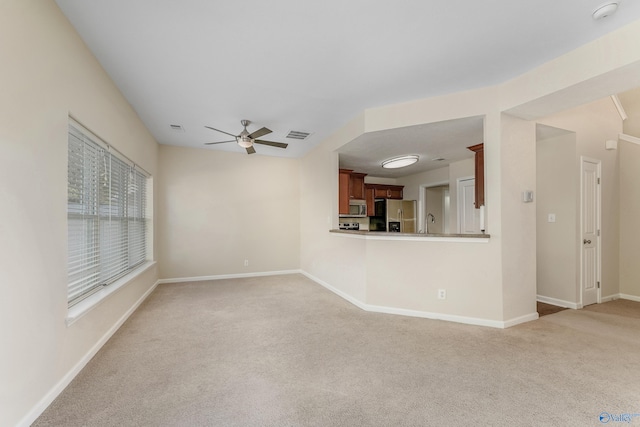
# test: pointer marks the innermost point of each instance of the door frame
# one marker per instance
(422, 201)
(460, 197)
(598, 163)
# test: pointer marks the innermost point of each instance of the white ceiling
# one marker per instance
(446, 140)
(314, 65)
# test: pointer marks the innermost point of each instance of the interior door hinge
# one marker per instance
(598, 285)
(598, 233)
(598, 181)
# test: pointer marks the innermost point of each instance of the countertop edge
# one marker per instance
(385, 235)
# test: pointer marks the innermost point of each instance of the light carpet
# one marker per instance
(283, 351)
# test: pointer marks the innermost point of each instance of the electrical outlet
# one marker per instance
(246, 263)
(442, 294)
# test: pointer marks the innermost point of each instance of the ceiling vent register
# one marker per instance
(295, 134)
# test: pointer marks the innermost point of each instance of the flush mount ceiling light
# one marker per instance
(400, 162)
(605, 10)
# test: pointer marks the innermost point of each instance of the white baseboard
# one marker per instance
(568, 304)
(227, 276)
(558, 302)
(522, 319)
(423, 314)
(44, 403)
(629, 297)
(336, 291)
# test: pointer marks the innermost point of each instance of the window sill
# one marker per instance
(83, 307)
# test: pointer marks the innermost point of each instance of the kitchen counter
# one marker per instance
(385, 235)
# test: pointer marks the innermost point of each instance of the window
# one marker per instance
(106, 214)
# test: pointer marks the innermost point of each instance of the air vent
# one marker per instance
(296, 134)
(176, 128)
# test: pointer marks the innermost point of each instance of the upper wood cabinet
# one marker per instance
(344, 176)
(350, 186)
(479, 174)
(383, 191)
(356, 188)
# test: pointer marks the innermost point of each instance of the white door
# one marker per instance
(590, 227)
(468, 220)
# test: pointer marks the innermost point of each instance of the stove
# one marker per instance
(349, 226)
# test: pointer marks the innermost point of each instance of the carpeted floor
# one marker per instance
(283, 351)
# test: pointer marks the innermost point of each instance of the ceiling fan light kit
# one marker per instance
(400, 162)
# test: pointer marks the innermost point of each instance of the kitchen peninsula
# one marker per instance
(374, 208)
(391, 234)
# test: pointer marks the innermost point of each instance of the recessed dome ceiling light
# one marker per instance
(605, 10)
(400, 162)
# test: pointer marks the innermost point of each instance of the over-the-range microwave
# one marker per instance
(357, 208)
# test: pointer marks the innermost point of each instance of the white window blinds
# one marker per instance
(106, 214)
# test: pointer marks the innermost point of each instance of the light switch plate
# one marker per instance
(551, 218)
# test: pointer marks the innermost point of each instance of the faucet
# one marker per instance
(430, 218)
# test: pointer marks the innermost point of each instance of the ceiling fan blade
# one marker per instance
(251, 150)
(219, 142)
(271, 143)
(218, 130)
(259, 133)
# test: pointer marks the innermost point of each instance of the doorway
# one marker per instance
(434, 208)
(437, 209)
(568, 221)
(557, 217)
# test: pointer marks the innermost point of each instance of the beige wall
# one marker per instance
(557, 177)
(630, 101)
(217, 209)
(518, 174)
(394, 274)
(629, 158)
(47, 73)
(593, 124)
(629, 214)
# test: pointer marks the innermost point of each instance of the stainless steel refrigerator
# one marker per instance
(401, 216)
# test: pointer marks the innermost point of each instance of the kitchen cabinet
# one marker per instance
(350, 186)
(344, 177)
(381, 191)
(478, 149)
(356, 186)
(384, 191)
(370, 199)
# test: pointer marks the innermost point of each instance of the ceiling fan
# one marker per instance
(246, 139)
